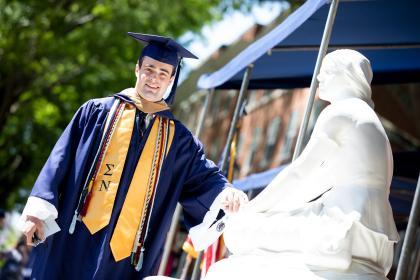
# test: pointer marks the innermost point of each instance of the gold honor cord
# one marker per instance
(128, 237)
(137, 255)
(232, 157)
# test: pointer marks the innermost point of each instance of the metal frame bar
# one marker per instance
(207, 102)
(335, 47)
(235, 118)
(177, 214)
(236, 114)
(410, 236)
(314, 82)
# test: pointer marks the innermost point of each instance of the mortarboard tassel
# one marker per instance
(171, 96)
(73, 223)
(139, 264)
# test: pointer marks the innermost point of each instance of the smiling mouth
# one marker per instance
(152, 87)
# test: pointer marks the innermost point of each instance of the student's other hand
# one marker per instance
(33, 230)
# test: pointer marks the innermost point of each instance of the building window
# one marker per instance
(256, 136)
(215, 106)
(228, 98)
(214, 149)
(272, 136)
(291, 131)
(252, 98)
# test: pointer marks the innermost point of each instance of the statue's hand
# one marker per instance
(234, 199)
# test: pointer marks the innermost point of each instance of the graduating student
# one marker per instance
(115, 175)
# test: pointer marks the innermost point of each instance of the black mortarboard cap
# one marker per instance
(166, 50)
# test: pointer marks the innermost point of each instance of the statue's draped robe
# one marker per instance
(326, 215)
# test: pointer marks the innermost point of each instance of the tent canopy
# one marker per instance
(258, 180)
(386, 32)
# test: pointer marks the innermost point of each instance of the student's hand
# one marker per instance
(233, 200)
(33, 227)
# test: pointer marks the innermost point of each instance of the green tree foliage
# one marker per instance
(55, 55)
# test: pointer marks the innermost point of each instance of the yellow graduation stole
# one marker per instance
(129, 233)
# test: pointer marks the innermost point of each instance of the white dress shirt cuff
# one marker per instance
(206, 233)
(43, 210)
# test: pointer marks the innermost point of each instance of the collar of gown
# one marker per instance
(141, 103)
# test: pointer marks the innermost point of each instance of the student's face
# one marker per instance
(153, 78)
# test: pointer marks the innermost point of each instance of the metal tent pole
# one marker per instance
(239, 102)
(175, 219)
(207, 102)
(314, 82)
(236, 114)
(410, 236)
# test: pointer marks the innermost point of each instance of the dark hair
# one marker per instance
(2, 214)
(140, 62)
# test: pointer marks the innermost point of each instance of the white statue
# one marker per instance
(327, 215)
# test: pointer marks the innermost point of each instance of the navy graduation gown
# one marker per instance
(187, 176)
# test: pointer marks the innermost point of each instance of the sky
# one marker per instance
(227, 31)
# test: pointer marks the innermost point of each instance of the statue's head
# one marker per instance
(345, 74)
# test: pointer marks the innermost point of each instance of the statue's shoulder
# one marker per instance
(352, 110)
(336, 114)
